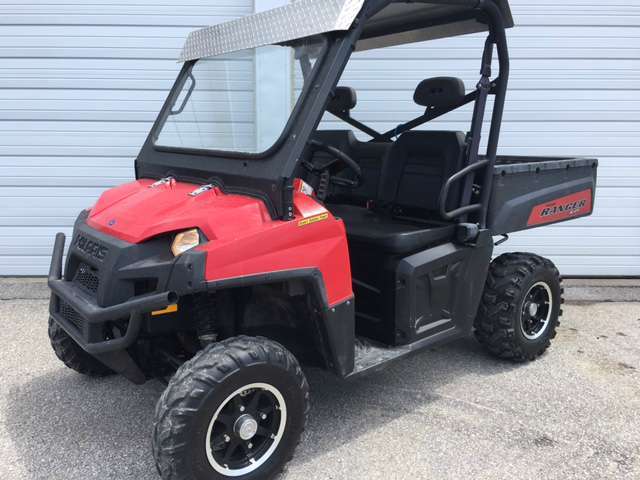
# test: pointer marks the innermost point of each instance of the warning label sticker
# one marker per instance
(314, 219)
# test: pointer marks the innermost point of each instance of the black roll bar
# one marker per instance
(473, 137)
(498, 88)
(428, 116)
(497, 29)
(348, 119)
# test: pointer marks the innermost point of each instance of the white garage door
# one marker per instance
(82, 80)
(576, 73)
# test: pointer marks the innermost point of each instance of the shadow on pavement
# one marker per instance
(69, 427)
(344, 410)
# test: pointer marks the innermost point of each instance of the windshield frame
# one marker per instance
(184, 75)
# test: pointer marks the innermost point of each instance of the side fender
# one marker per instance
(335, 325)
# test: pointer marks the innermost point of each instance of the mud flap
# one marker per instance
(121, 362)
(339, 329)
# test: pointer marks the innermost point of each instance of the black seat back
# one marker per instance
(416, 168)
(343, 140)
(369, 155)
(420, 162)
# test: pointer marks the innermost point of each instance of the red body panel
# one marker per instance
(572, 206)
(243, 239)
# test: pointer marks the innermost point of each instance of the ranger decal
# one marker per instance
(574, 205)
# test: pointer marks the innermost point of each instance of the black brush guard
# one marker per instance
(113, 351)
(91, 313)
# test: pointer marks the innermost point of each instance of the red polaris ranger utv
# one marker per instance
(254, 240)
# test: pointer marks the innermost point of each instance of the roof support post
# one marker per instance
(499, 89)
(473, 137)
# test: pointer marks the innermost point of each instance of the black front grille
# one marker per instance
(70, 315)
(87, 277)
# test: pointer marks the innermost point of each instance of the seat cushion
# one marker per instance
(390, 234)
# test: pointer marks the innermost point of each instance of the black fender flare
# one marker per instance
(335, 324)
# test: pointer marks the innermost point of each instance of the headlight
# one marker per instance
(185, 241)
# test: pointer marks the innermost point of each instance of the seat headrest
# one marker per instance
(439, 92)
(344, 99)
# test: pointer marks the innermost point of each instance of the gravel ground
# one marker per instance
(447, 413)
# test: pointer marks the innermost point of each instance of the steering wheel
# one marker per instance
(338, 156)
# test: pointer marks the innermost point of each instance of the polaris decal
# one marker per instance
(571, 206)
(91, 248)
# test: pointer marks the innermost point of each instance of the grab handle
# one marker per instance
(446, 188)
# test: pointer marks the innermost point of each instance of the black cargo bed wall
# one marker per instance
(529, 192)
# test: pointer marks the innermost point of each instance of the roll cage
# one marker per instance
(356, 25)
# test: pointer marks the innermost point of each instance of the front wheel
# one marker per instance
(236, 410)
(520, 307)
(72, 355)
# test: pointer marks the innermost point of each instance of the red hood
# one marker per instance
(243, 239)
(135, 212)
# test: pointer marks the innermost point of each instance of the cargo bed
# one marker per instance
(532, 191)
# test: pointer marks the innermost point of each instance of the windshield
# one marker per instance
(239, 102)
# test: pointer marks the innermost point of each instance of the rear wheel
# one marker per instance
(72, 355)
(236, 410)
(520, 308)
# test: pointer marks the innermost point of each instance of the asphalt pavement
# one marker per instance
(448, 413)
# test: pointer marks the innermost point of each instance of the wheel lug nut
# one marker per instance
(242, 408)
(250, 446)
(227, 438)
(263, 416)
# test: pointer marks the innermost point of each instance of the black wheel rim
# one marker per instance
(246, 429)
(536, 311)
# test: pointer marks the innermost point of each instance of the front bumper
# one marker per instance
(108, 287)
(94, 315)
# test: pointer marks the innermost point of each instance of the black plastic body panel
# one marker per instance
(439, 289)
(403, 299)
(522, 183)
